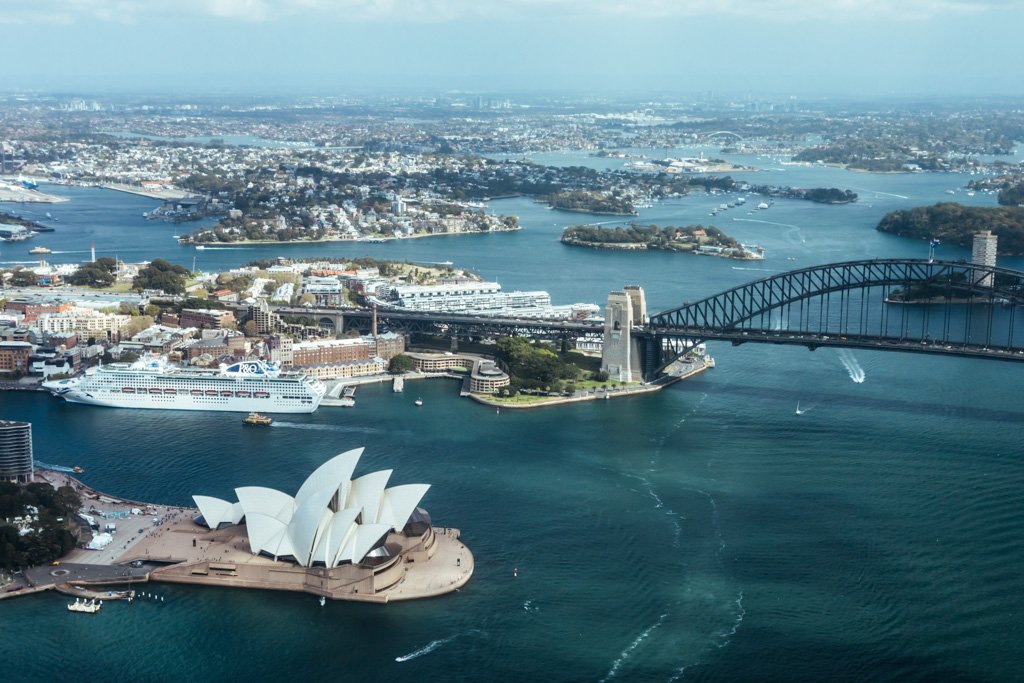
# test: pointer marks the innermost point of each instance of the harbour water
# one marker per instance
(707, 532)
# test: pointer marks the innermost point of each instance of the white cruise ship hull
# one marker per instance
(208, 403)
(253, 389)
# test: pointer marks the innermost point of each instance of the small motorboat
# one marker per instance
(255, 418)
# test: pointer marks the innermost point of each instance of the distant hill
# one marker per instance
(956, 224)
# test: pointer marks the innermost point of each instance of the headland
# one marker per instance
(153, 542)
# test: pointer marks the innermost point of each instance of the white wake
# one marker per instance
(625, 654)
(853, 368)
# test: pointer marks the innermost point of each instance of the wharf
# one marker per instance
(168, 194)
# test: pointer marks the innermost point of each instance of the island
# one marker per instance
(954, 223)
(606, 203)
(693, 239)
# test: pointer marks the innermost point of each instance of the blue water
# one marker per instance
(705, 533)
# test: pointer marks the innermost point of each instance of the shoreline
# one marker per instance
(640, 246)
(371, 240)
(696, 367)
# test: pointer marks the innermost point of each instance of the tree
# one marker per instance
(162, 275)
(137, 324)
(99, 273)
(400, 364)
(23, 278)
(250, 329)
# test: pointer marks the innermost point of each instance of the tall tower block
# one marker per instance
(620, 355)
(983, 253)
(16, 461)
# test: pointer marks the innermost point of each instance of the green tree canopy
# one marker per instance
(399, 364)
(162, 275)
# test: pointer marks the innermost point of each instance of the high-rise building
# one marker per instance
(983, 253)
(16, 463)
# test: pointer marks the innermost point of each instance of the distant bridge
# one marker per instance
(724, 133)
(911, 305)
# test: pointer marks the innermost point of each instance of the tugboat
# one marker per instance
(255, 418)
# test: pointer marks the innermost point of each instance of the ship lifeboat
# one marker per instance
(170, 391)
(212, 392)
(154, 390)
(197, 392)
(243, 394)
(227, 393)
(260, 394)
(128, 390)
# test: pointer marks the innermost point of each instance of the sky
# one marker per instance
(268, 47)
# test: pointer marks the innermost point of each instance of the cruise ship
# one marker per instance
(246, 386)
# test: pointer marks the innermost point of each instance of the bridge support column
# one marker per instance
(455, 344)
(621, 355)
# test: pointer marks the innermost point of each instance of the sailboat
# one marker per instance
(798, 411)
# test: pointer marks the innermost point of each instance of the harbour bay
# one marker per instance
(706, 532)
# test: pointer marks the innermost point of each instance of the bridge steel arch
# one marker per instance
(721, 133)
(896, 304)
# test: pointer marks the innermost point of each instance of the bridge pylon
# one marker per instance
(622, 355)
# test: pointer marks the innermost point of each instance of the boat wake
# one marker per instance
(755, 220)
(762, 270)
(853, 368)
(878, 192)
(720, 639)
(431, 646)
(625, 654)
(325, 428)
(726, 636)
(530, 607)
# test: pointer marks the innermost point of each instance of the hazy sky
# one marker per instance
(869, 47)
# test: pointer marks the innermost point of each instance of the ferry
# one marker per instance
(255, 418)
(40, 250)
(245, 386)
(85, 606)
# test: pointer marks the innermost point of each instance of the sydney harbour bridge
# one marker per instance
(920, 306)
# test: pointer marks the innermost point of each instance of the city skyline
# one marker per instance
(837, 47)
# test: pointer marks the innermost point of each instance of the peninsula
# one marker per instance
(267, 540)
(954, 223)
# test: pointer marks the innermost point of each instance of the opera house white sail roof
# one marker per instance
(331, 520)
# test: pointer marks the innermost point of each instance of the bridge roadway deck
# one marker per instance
(465, 323)
(814, 341)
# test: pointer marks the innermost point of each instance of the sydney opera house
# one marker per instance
(337, 537)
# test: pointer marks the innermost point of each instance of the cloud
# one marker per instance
(439, 11)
